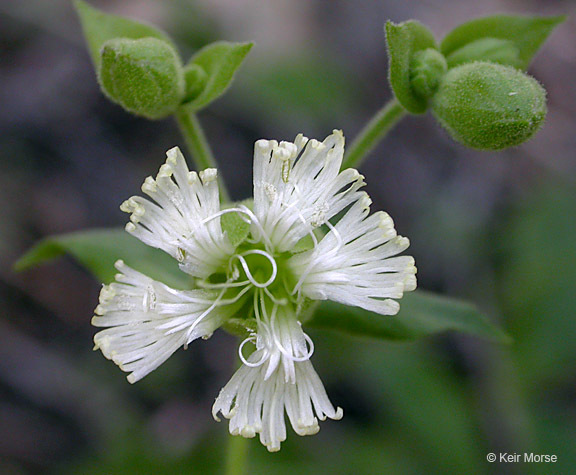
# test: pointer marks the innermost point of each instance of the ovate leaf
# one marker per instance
(98, 250)
(100, 27)
(421, 314)
(219, 61)
(526, 33)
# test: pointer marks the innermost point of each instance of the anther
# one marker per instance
(165, 171)
(262, 145)
(300, 141)
(149, 186)
(192, 177)
(208, 175)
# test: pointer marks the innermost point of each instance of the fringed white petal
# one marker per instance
(354, 264)
(298, 187)
(184, 221)
(255, 400)
(148, 321)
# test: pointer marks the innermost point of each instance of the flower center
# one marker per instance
(257, 267)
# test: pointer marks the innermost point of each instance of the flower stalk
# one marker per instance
(374, 131)
(237, 456)
(198, 145)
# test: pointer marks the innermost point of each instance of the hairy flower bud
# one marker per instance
(426, 71)
(489, 106)
(195, 77)
(144, 76)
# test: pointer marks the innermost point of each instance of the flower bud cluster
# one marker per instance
(475, 82)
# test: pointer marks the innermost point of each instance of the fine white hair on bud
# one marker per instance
(489, 106)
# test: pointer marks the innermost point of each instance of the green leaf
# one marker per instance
(421, 314)
(527, 33)
(404, 40)
(100, 27)
(97, 250)
(220, 61)
(494, 50)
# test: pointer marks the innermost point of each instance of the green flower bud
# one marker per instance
(489, 106)
(494, 50)
(195, 78)
(144, 76)
(427, 68)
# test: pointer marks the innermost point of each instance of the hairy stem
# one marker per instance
(198, 145)
(372, 133)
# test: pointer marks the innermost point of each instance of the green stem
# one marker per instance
(198, 145)
(237, 455)
(373, 132)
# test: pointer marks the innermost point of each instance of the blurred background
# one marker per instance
(498, 229)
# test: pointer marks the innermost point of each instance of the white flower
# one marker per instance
(310, 236)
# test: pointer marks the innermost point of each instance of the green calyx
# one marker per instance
(145, 76)
(489, 106)
(427, 69)
(405, 41)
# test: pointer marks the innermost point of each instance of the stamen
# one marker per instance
(286, 171)
(149, 299)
